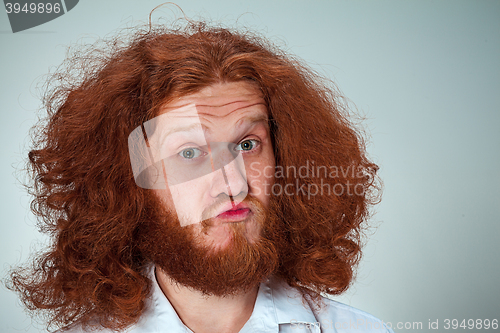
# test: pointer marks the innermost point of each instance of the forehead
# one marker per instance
(223, 101)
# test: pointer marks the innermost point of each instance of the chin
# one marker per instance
(223, 236)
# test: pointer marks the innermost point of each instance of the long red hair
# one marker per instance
(87, 200)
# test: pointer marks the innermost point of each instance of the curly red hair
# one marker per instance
(87, 200)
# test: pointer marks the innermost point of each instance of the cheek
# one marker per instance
(260, 176)
(185, 200)
(165, 197)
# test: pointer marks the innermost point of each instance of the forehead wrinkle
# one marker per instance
(176, 106)
(213, 101)
(257, 100)
(212, 115)
(206, 119)
(221, 95)
(248, 119)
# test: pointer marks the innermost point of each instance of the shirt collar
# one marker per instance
(277, 303)
(162, 311)
(289, 303)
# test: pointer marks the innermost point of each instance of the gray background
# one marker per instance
(426, 75)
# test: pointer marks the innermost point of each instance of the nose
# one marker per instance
(229, 175)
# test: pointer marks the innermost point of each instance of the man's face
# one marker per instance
(214, 146)
(214, 227)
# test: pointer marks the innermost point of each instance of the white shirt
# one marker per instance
(278, 309)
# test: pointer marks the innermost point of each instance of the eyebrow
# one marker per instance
(164, 136)
(254, 119)
(188, 128)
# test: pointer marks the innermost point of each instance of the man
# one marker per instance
(198, 180)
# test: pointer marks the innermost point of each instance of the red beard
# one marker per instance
(241, 265)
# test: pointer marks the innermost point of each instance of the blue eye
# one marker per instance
(190, 153)
(247, 145)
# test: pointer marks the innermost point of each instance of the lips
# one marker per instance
(234, 213)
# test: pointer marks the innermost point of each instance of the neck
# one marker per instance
(202, 313)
